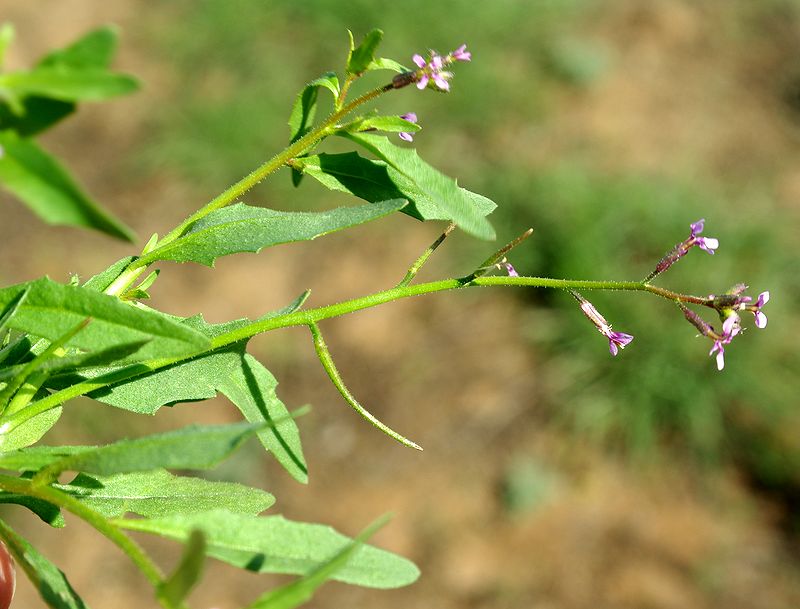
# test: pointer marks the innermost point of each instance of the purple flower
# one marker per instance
(730, 328)
(707, 244)
(411, 117)
(461, 54)
(433, 70)
(512, 272)
(616, 340)
(761, 319)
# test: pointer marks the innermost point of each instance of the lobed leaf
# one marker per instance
(251, 387)
(192, 447)
(40, 181)
(439, 188)
(273, 544)
(51, 309)
(241, 228)
(158, 493)
(377, 181)
(192, 380)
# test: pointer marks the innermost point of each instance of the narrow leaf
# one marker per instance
(11, 308)
(392, 124)
(105, 278)
(51, 309)
(176, 588)
(443, 190)
(158, 493)
(50, 582)
(305, 106)
(362, 56)
(241, 228)
(35, 458)
(192, 447)
(68, 84)
(44, 185)
(47, 512)
(103, 357)
(251, 387)
(302, 590)
(272, 544)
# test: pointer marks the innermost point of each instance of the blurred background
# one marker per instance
(554, 476)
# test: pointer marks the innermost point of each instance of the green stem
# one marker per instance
(310, 316)
(419, 262)
(235, 191)
(329, 366)
(97, 521)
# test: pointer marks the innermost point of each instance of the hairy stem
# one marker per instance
(312, 316)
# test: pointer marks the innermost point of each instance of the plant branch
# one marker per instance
(311, 316)
(336, 378)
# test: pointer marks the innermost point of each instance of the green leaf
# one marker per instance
(47, 512)
(272, 544)
(50, 582)
(105, 278)
(377, 181)
(45, 186)
(360, 58)
(302, 590)
(6, 38)
(441, 189)
(392, 124)
(51, 309)
(93, 50)
(382, 63)
(10, 309)
(192, 380)
(35, 458)
(305, 106)
(193, 447)
(68, 84)
(30, 431)
(99, 358)
(241, 228)
(158, 493)
(252, 388)
(176, 588)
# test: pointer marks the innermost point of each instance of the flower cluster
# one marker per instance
(433, 70)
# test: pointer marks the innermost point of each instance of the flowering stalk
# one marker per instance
(707, 244)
